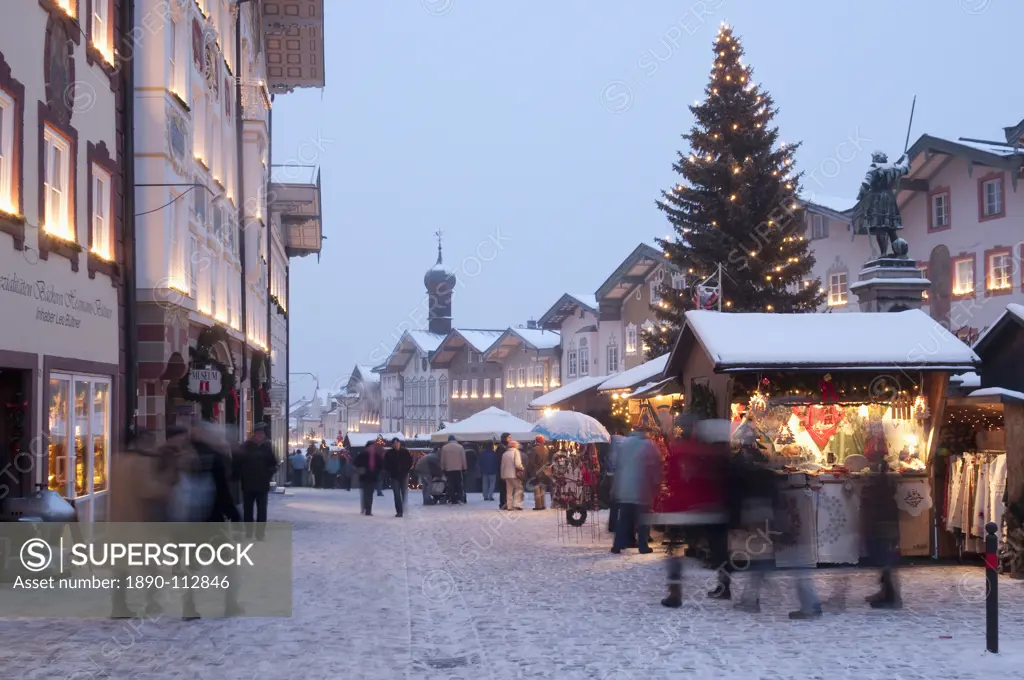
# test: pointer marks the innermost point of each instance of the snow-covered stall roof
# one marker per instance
(1013, 395)
(360, 439)
(1013, 312)
(486, 425)
(575, 388)
(637, 375)
(866, 341)
(969, 379)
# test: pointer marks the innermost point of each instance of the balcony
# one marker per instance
(295, 198)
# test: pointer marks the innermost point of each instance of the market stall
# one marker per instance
(821, 397)
(485, 426)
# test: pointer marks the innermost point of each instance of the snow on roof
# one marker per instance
(360, 439)
(996, 149)
(643, 373)
(589, 300)
(969, 379)
(997, 392)
(833, 203)
(488, 424)
(367, 373)
(425, 340)
(882, 340)
(564, 392)
(480, 340)
(539, 339)
(1013, 309)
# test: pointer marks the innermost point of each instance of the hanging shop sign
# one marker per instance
(204, 381)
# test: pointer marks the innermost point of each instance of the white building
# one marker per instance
(415, 395)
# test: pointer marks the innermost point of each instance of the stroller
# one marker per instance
(435, 486)
(438, 489)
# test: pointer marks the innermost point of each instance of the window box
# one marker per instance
(964, 275)
(939, 215)
(992, 196)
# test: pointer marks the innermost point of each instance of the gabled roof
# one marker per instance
(632, 272)
(1012, 317)
(565, 307)
(474, 339)
(409, 344)
(930, 154)
(531, 338)
(736, 342)
(365, 373)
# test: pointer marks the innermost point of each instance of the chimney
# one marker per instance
(531, 324)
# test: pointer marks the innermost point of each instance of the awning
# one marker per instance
(655, 389)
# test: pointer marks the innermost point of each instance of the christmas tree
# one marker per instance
(736, 207)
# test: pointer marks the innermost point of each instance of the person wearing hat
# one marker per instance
(256, 466)
(539, 468)
(398, 463)
(453, 462)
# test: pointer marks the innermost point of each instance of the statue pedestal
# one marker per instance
(890, 284)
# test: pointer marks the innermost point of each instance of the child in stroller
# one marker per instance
(433, 483)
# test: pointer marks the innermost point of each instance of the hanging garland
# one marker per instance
(201, 357)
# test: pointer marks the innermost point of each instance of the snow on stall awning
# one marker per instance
(486, 425)
(638, 375)
(864, 341)
(655, 389)
(573, 389)
(1012, 395)
(969, 379)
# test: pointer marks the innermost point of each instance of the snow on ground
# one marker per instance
(472, 592)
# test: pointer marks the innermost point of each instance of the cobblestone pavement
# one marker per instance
(472, 592)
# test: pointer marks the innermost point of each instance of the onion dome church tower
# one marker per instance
(440, 283)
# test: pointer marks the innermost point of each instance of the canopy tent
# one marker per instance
(486, 425)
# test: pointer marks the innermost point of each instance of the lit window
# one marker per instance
(837, 293)
(7, 174)
(1000, 268)
(100, 29)
(473, 393)
(522, 376)
(924, 293)
(992, 197)
(940, 210)
(102, 240)
(631, 339)
(68, 6)
(487, 388)
(510, 381)
(56, 158)
(963, 277)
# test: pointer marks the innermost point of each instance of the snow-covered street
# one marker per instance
(472, 592)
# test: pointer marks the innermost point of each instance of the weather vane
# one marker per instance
(439, 233)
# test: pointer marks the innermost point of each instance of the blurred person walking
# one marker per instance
(453, 462)
(368, 465)
(637, 477)
(298, 466)
(512, 472)
(256, 467)
(398, 463)
(613, 453)
(540, 468)
(490, 462)
(317, 467)
(881, 526)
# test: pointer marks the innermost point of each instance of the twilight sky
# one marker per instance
(537, 136)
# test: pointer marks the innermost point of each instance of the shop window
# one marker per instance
(57, 219)
(837, 290)
(102, 241)
(79, 423)
(631, 339)
(963, 276)
(584, 357)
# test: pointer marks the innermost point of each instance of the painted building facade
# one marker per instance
(63, 242)
(473, 382)
(530, 360)
(574, 318)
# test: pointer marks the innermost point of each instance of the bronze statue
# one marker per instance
(877, 212)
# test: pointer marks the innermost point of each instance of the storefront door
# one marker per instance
(79, 417)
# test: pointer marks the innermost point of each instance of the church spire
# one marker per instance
(439, 233)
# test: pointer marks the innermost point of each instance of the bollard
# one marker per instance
(991, 589)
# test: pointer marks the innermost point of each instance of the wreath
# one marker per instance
(201, 357)
(576, 516)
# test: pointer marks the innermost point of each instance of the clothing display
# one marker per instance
(975, 486)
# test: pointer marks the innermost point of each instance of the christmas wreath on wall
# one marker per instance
(201, 357)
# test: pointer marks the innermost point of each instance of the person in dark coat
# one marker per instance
(317, 467)
(256, 467)
(880, 517)
(502, 491)
(488, 461)
(368, 464)
(398, 463)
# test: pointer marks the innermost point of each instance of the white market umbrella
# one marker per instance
(571, 426)
(485, 426)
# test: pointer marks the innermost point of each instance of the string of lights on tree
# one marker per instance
(737, 204)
